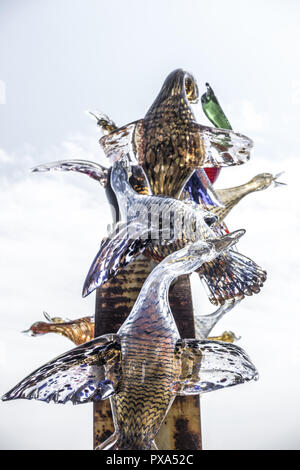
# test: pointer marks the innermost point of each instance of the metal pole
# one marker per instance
(182, 427)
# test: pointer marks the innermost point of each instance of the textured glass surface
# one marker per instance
(77, 376)
(91, 169)
(156, 226)
(81, 330)
(170, 144)
(146, 364)
(208, 366)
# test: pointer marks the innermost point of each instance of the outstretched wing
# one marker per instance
(77, 376)
(116, 252)
(91, 169)
(222, 147)
(211, 365)
(119, 143)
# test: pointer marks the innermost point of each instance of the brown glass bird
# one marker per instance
(170, 144)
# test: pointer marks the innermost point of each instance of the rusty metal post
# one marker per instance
(114, 302)
(182, 427)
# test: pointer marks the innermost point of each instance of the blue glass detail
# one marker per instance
(197, 191)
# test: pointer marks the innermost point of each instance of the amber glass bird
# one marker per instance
(146, 364)
(78, 331)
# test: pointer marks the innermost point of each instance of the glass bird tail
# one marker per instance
(117, 442)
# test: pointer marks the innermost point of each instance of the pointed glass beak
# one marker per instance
(47, 316)
(226, 241)
(278, 183)
(28, 332)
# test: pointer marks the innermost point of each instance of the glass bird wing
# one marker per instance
(91, 169)
(119, 143)
(77, 376)
(217, 147)
(221, 147)
(116, 251)
(211, 365)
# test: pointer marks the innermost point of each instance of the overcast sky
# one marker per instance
(59, 58)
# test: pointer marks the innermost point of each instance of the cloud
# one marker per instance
(253, 120)
(51, 228)
(2, 92)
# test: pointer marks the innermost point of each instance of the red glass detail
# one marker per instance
(212, 174)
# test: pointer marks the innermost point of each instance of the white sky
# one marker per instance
(59, 58)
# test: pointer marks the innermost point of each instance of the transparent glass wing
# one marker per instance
(77, 376)
(211, 365)
(91, 169)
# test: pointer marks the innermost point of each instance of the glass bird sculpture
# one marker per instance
(156, 162)
(146, 364)
(237, 275)
(170, 144)
(219, 202)
(198, 187)
(147, 230)
(79, 331)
